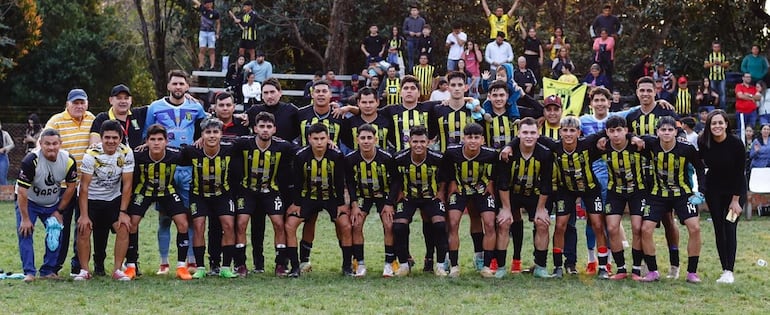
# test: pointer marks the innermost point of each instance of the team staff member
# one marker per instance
(470, 167)
(669, 193)
(154, 183)
(38, 196)
(383, 125)
(419, 185)
(371, 169)
(105, 186)
(526, 182)
(390, 89)
(319, 174)
(262, 163)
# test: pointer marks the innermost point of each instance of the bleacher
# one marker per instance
(280, 76)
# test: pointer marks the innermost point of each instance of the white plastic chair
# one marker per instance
(758, 184)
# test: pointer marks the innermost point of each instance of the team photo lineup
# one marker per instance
(495, 145)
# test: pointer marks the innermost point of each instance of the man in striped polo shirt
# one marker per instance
(74, 125)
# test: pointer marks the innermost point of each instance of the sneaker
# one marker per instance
(603, 274)
(591, 268)
(305, 267)
(294, 273)
(692, 277)
(348, 272)
(478, 262)
(387, 270)
(120, 276)
(571, 270)
(242, 271)
(214, 271)
(651, 276)
(516, 266)
(29, 278)
(608, 267)
(558, 272)
(163, 270)
(280, 270)
(83, 275)
(486, 272)
(182, 273)
(500, 273)
(673, 272)
(454, 272)
(226, 273)
(636, 277)
(130, 271)
(427, 265)
(360, 271)
(493, 265)
(258, 270)
(51, 276)
(403, 270)
(727, 277)
(200, 273)
(620, 276)
(441, 270)
(541, 272)
(192, 267)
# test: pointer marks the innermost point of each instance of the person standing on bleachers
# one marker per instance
(209, 32)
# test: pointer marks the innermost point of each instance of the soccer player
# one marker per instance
(264, 164)
(319, 185)
(211, 194)
(626, 187)
(154, 183)
(419, 185)
(470, 166)
(526, 182)
(105, 192)
(38, 196)
(669, 192)
(382, 124)
(371, 168)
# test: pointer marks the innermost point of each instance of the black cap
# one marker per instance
(120, 88)
(249, 3)
(260, 53)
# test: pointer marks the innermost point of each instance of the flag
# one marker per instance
(572, 95)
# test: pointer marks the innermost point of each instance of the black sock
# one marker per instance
(358, 252)
(602, 261)
(200, 252)
(430, 239)
(652, 263)
(440, 239)
(227, 255)
(280, 255)
(488, 255)
(673, 258)
(541, 258)
(239, 255)
(132, 254)
(400, 237)
(500, 255)
(517, 235)
(182, 245)
(291, 252)
(478, 241)
(304, 251)
(454, 256)
(692, 263)
(347, 253)
(620, 260)
(389, 254)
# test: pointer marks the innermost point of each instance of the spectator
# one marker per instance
(558, 63)
(533, 48)
(308, 91)
(661, 93)
(688, 126)
(426, 44)
(374, 83)
(498, 53)
(557, 42)
(261, 68)
(234, 78)
(350, 91)
(755, 64)
(6, 144)
(567, 76)
(396, 50)
(596, 78)
(525, 77)
(706, 97)
(749, 137)
(639, 70)
(608, 22)
(760, 148)
(374, 44)
(470, 80)
(425, 74)
(702, 116)
(683, 98)
(442, 92)
(472, 58)
(604, 48)
(746, 97)
(617, 103)
(252, 92)
(248, 25)
(374, 69)
(454, 43)
(413, 31)
(32, 133)
(717, 64)
(763, 106)
(391, 89)
(499, 21)
(665, 76)
(336, 86)
(209, 32)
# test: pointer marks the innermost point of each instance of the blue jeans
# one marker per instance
(411, 53)
(451, 65)
(764, 119)
(3, 169)
(26, 243)
(749, 119)
(721, 86)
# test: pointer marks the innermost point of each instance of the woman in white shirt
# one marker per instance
(763, 105)
(252, 91)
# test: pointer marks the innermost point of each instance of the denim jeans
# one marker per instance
(3, 169)
(411, 53)
(749, 119)
(451, 65)
(721, 87)
(26, 243)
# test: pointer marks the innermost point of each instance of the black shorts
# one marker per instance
(529, 203)
(616, 203)
(405, 209)
(211, 206)
(104, 213)
(251, 203)
(310, 208)
(566, 202)
(366, 204)
(680, 205)
(248, 44)
(172, 204)
(482, 203)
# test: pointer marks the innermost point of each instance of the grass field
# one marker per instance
(326, 291)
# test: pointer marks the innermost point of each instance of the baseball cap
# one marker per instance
(660, 64)
(682, 80)
(120, 88)
(260, 53)
(354, 77)
(552, 100)
(77, 94)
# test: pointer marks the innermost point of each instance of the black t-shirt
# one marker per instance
(532, 44)
(374, 44)
(286, 121)
(234, 129)
(208, 19)
(132, 129)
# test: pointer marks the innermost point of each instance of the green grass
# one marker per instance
(325, 291)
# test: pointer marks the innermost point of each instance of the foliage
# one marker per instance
(19, 32)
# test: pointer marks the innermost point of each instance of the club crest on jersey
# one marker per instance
(188, 116)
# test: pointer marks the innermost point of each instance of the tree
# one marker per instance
(20, 32)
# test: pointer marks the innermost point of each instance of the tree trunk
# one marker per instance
(156, 62)
(335, 56)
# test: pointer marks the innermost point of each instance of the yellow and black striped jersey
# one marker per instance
(472, 174)
(527, 176)
(210, 174)
(499, 132)
(424, 74)
(683, 102)
(249, 26)
(447, 124)
(574, 168)
(392, 91)
(417, 180)
(263, 170)
(669, 167)
(403, 119)
(548, 131)
(307, 116)
(155, 178)
(320, 179)
(371, 179)
(383, 125)
(643, 124)
(625, 168)
(717, 72)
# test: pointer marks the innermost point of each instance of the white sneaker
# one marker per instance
(440, 270)
(360, 270)
(403, 270)
(305, 267)
(727, 277)
(486, 272)
(673, 273)
(454, 272)
(387, 270)
(83, 275)
(119, 275)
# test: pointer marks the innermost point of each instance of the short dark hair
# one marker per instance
(645, 79)
(688, 121)
(600, 90)
(111, 125)
(223, 96)
(418, 131)
(319, 73)
(179, 73)
(317, 128)
(366, 91)
(321, 82)
(272, 81)
(50, 132)
(368, 128)
(616, 121)
(410, 79)
(499, 85)
(157, 129)
(264, 116)
(528, 121)
(666, 120)
(456, 74)
(473, 129)
(212, 123)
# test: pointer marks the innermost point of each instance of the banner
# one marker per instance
(572, 95)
